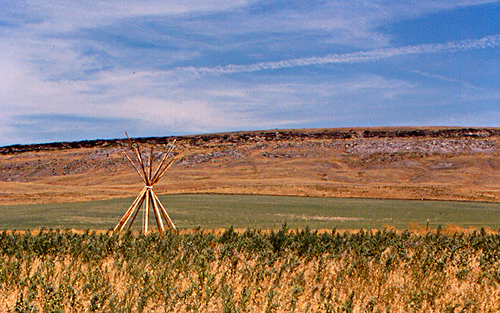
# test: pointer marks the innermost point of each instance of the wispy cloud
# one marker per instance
(59, 16)
(447, 79)
(156, 68)
(355, 57)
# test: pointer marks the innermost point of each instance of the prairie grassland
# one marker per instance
(260, 212)
(252, 271)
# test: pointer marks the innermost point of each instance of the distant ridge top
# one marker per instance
(275, 134)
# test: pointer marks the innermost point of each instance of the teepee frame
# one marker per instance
(147, 197)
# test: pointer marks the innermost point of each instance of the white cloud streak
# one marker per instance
(61, 16)
(110, 63)
(355, 57)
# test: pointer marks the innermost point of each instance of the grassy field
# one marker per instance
(253, 271)
(260, 212)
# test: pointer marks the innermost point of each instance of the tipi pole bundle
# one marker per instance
(135, 167)
(147, 198)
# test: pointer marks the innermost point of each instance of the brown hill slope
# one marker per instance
(404, 163)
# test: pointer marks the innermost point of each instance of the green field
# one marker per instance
(223, 211)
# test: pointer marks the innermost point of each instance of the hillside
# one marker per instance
(404, 163)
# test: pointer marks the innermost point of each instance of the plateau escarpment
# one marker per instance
(403, 163)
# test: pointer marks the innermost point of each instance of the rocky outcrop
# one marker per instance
(240, 138)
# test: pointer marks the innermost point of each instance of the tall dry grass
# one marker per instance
(250, 271)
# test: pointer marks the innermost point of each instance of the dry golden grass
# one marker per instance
(250, 272)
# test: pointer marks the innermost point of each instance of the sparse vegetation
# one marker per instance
(250, 271)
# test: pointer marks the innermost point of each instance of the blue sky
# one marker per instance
(77, 70)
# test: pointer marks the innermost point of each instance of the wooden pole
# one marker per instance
(163, 160)
(159, 221)
(139, 157)
(138, 208)
(135, 167)
(146, 212)
(158, 177)
(126, 216)
(150, 164)
(164, 212)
